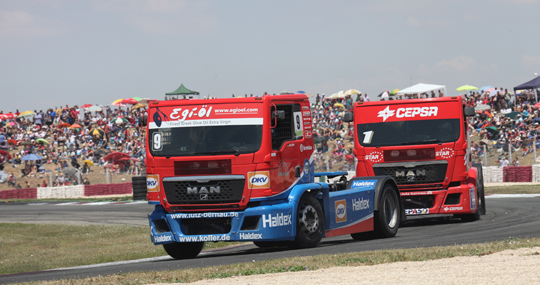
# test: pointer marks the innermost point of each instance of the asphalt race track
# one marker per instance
(506, 217)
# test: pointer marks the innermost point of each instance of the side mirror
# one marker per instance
(277, 115)
(348, 117)
(469, 111)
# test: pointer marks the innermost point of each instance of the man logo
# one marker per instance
(152, 183)
(204, 196)
(259, 180)
(341, 211)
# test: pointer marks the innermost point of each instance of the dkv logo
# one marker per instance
(152, 183)
(341, 211)
(259, 180)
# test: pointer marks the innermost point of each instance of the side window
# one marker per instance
(284, 129)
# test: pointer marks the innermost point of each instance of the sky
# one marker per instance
(76, 52)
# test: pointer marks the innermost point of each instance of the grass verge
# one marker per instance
(32, 247)
(513, 189)
(304, 263)
(82, 200)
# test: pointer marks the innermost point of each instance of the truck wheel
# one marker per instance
(183, 250)
(138, 184)
(480, 189)
(388, 216)
(309, 222)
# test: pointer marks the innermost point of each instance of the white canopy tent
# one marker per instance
(422, 88)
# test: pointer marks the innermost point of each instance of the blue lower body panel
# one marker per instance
(269, 222)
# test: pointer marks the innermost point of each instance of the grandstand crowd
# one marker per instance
(75, 137)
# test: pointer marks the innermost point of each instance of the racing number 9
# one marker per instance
(156, 141)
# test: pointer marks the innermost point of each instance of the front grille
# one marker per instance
(205, 192)
(407, 173)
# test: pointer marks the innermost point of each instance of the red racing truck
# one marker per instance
(241, 169)
(424, 145)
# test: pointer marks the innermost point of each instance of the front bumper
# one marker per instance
(454, 200)
(262, 223)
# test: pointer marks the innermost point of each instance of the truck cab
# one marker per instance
(424, 145)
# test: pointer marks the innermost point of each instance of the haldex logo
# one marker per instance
(363, 184)
(203, 190)
(162, 238)
(409, 112)
(278, 220)
(360, 204)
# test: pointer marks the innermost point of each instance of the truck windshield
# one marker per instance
(211, 140)
(408, 132)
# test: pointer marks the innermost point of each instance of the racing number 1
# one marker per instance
(367, 137)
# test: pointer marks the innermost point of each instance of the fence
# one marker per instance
(74, 191)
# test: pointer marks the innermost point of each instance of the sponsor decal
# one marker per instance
(409, 112)
(360, 204)
(259, 180)
(279, 220)
(181, 114)
(307, 118)
(250, 236)
(341, 211)
(305, 107)
(363, 183)
(307, 123)
(306, 113)
(445, 153)
(422, 211)
(204, 238)
(204, 215)
(411, 174)
(309, 134)
(152, 182)
(416, 193)
(376, 156)
(162, 238)
(204, 190)
(446, 209)
(305, 147)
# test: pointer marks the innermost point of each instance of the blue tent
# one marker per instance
(533, 84)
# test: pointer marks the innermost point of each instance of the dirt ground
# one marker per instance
(521, 266)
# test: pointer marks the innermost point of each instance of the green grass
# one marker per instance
(31, 247)
(58, 200)
(304, 263)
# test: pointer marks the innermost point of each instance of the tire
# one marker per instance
(480, 189)
(309, 222)
(388, 217)
(183, 250)
(138, 183)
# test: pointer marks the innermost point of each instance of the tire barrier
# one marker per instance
(517, 174)
(139, 187)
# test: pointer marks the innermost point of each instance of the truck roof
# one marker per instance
(176, 102)
(410, 101)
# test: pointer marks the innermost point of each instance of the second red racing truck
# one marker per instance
(424, 145)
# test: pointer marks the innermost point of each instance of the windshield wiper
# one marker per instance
(422, 142)
(234, 151)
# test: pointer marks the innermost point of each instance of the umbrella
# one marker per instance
(63, 125)
(76, 126)
(100, 152)
(466, 88)
(492, 130)
(97, 132)
(337, 95)
(89, 162)
(94, 109)
(485, 141)
(137, 99)
(339, 105)
(129, 101)
(118, 103)
(11, 124)
(70, 171)
(482, 107)
(383, 94)
(512, 115)
(393, 92)
(31, 157)
(115, 156)
(483, 89)
(27, 143)
(86, 106)
(119, 120)
(352, 92)
(139, 106)
(5, 153)
(12, 142)
(8, 116)
(26, 114)
(43, 141)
